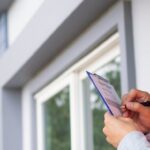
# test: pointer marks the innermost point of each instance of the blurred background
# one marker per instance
(46, 99)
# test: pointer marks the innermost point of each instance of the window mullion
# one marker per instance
(86, 117)
(75, 112)
(40, 123)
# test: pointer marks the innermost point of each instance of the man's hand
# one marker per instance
(116, 128)
(132, 108)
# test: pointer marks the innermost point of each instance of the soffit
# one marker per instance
(5, 4)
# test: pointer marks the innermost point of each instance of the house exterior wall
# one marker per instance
(141, 24)
(32, 41)
(25, 51)
(61, 12)
(19, 15)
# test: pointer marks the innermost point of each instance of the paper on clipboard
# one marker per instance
(107, 93)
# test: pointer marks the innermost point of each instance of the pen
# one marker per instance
(147, 103)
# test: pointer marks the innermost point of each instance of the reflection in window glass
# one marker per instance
(57, 122)
(110, 71)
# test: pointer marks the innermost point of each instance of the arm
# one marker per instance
(124, 134)
(116, 129)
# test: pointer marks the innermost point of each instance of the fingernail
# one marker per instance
(123, 106)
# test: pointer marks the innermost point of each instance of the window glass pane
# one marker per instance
(110, 71)
(3, 32)
(57, 122)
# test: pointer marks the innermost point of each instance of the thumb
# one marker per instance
(134, 106)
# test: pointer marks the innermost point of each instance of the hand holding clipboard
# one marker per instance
(108, 94)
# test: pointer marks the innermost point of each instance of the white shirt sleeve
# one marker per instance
(148, 137)
(134, 141)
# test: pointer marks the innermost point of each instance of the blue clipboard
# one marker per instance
(111, 99)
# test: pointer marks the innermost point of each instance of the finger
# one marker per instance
(125, 114)
(135, 106)
(137, 95)
(105, 131)
(123, 108)
(124, 99)
(143, 95)
(125, 111)
(132, 95)
(124, 119)
(105, 118)
(108, 118)
(108, 140)
(106, 115)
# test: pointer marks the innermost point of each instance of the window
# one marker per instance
(54, 117)
(110, 71)
(70, 114)
(3, 32)
(57, 121)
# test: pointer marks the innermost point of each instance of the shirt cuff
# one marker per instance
(133, 140)
(148, 137)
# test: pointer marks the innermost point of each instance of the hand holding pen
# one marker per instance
(135, 105)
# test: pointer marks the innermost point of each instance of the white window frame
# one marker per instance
(73, 77)
(53, 88)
